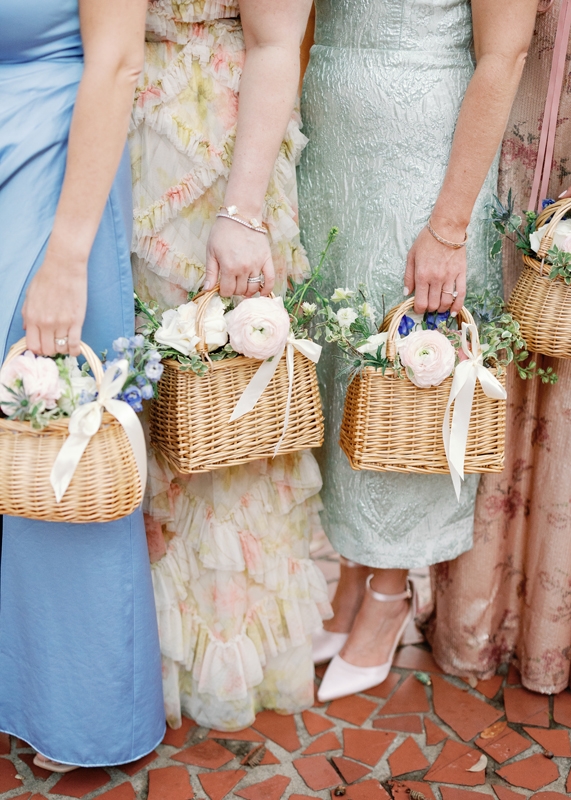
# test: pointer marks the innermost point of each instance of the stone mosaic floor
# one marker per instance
(420, 735)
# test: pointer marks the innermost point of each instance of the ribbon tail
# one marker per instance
(290, 368)
(66, 463)
(125, 415)
(255, 389)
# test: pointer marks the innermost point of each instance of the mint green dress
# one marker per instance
(380, 101)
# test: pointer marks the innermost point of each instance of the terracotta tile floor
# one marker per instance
(409, 739)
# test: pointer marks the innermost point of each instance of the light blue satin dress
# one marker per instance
(380, 102)
(80, 672)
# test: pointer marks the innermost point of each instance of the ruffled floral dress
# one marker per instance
(236, 592)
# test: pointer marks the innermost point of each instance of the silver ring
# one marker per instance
(454, 294)
(62, 342)
(259, 279)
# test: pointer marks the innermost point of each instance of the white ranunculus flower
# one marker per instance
(259, 327)
(373, 343)
(178, 329)
(308, 308)
(562, 238)
(79, 389)
(428, 357)
(342, 294)
(346, 317)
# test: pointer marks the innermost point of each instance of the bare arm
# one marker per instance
(272, 32)
(113, 40)
(502, 33)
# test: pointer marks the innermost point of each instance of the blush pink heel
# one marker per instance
(343, 678)
(52, 766)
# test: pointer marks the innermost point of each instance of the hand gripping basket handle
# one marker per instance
(86, 351)
(557, 211)
(463, 316)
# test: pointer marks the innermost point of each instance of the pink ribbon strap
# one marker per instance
(549, 125)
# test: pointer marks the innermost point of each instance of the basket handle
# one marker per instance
(86, 351)
(558, 210)
(400, 311)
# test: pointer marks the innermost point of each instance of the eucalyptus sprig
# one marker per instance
(510, 225)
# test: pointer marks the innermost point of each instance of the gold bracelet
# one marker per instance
(446, 242)
(232, 213)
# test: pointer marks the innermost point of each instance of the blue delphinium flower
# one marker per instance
(136, 341)
(434, 319)
(147, 392)
(406, 325)
(153, 370)
(121, 344)
(546, 202)
(133, 396)
(153, 355)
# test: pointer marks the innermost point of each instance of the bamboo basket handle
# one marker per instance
(463, 316)
(86, 351)
(558, 210)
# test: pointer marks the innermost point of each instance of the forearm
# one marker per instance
(267, 97)
(96, 142)
(479, 132)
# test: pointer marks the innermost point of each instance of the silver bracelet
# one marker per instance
(232, 213)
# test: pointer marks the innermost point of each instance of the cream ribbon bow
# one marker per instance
(86, 421)
(264, 375)
(462, 395)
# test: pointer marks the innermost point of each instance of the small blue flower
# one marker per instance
(153, 355)
(546, 202)
(433, 319)
(111, 364)
(147, 392)
(133, 397)
(406, 325)
(121, 344)
(153, 370)
(137, 341)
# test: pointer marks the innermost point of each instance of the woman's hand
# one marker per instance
(433, 272)
(235, 253)
(55, 306)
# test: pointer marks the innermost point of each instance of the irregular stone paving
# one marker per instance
(418, 736)
(402, 739)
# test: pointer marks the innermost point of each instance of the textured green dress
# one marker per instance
(380, 102)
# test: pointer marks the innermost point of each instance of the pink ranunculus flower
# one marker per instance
(39, 376)
(259, 327)
(428, 357)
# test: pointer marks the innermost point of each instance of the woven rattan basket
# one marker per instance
(190, 419)
(542, 306)
(106, 484)
(390, 425)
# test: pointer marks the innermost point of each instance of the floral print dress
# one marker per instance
(237, 594)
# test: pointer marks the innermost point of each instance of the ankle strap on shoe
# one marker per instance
(389, 598)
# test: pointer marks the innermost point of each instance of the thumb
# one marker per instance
(211, 272)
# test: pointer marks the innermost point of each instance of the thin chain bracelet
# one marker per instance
(232, 213)
(453, 245)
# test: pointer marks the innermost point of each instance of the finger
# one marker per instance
(211, 272)
(24, 320)
(60, 335)
(461, 289)
(47, 341)
(227, 284)
(33, 342)
(434, 296)
(242, 285)
(269, 273)
(252, 288)
(421, 298)
(446, 298)
(409, 275)
(74, 340)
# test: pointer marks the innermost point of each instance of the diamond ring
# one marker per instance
(259, 279)
(62, 342)
(454, 294)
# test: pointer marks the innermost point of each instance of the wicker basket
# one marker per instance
(542, 306)
(190, 419)
(106, 484)
(390, 425)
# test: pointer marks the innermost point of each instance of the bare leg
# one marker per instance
(348, 598)
(376, 625)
